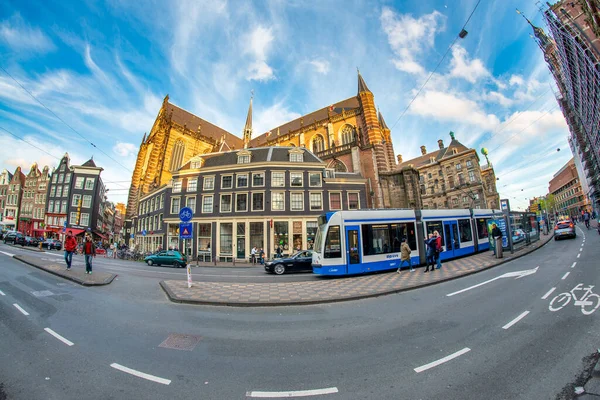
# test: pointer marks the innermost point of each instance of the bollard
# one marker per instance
(499, 247)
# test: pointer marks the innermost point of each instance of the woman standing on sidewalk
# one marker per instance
(430, 243)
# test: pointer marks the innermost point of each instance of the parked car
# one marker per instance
(52, 244)
(13, 237)
(298, 262)
(31, 241)
(167, 257)
(564, 228)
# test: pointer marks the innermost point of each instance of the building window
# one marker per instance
(296, 157)
(347, 134)
(296, 179)
(52, 191)
(226, 239)
(353, 201)
(258, 201)
(62, 167)
(204, 237)
(78, 182)
(67, 178)
(192, 184)
(335, 201)
(297, 201)
(258, 179)
(458, 167)
(162, 201)
(176, 186)
(75, 200)
(245, 159)
(241, 202)
(469, 163)
(207, 204)
(227, 182)
(63, 207)
(175, 205)
(277, 179)
(277, 201)
(51, 206)
(314, 179)
(472, 176)
(177, 155)
(89, 183)
(242, 181)
(85, 219)
(191, 203)
(465, 199)
(61, 178)
(316, 201)
(87, 201)
(318, 144)
(225, 203)
(73, 219)
(65, 191)
(455, 201)
(257, 235)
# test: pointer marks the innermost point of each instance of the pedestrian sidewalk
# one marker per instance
(77, 275)
(328, 290)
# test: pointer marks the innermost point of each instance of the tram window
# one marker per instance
(401, 231)
(464, 226)
(482, 228)
(333, 243)
(436, 226)
(376, 239)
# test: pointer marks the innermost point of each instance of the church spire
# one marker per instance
(248, 126)
(382, 123)
(362, 86)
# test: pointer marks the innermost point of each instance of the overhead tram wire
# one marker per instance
(61, 120)
(530, 161)
(436, 67)
(29, 143)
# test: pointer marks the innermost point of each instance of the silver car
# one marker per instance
(564, 228)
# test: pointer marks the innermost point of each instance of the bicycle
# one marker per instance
(588, 299)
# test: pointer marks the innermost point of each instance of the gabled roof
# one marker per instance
(89, 163)
(323, 113)
(438, 155)
(192, 122)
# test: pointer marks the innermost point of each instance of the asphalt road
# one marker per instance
(390, 347)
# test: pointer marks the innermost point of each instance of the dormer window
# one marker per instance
(244, 157)
(432, 160)
(454, 151)
(296, 155)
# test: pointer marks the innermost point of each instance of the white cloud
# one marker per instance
(409, 37)
(321, 66)
(462, 67)
(272, 117)
(497, 97)
(259, 41)
(125, 149)
(260, 71)
(516, 80)
(18, 35)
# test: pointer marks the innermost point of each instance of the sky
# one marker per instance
(102, 68)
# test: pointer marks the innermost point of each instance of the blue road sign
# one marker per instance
(131, 236)
(144, 232)
(186, 214)
(185, 230)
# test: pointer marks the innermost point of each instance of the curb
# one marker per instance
(107, 281)
(30, 248)
(173, 298)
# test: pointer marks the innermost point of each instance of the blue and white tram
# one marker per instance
(357, 242)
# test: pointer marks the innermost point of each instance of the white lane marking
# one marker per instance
(580, 249)
(140, 374)
(20, 309)
(544, 297)
(8, 254)
(578, 255)
(442, 360)
(2, 293)
(565, 276)
(56, 335)
(516, 275)
(574, 264)
(514, 321)
(294, 393)
(53, 254)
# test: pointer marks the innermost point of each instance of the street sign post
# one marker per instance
(186, 232)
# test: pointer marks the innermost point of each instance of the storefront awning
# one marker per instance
(75, 231)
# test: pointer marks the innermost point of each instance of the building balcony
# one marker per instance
(335, 151)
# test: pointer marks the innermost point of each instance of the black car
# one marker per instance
(31, 241)
(52, 244)
(298, 262)
(14, 237)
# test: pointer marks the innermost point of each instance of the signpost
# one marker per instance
(186, 232)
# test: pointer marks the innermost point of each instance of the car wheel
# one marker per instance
(279, 269)
(150, 262)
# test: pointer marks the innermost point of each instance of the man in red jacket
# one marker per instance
(70, 246)
(89, 251)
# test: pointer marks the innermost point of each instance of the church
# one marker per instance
(349, 136)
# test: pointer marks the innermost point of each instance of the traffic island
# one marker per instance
(76, 275)
(329, 290)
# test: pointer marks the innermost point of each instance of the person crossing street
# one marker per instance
(70, 246)
(89, 251)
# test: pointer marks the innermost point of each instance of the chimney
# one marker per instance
(399, 157)
(441, 143)
(423, 150)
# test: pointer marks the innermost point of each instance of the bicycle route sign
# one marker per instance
(186, 214)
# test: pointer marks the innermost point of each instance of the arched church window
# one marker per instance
(339, 166)
(347, 134)
(177, 155)
(318, 144)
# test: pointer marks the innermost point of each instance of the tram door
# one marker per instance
(353, 250)
(451, 238)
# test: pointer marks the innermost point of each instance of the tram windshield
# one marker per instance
(319, 238)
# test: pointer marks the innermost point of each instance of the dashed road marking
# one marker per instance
(574, 264)
(565, 276)
(141, 374)
(578, 255)
(18, 307)
(294, 393)
(53, 254)
(442, 360)
(580, 249)
(544, 297)
(56, 335)
(514, 321)
(2, 293)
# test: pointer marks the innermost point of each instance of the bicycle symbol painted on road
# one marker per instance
(589, 302)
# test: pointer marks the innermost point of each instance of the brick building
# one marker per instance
(5, 178)
(13, 199)
(33, 202)
(569, 198)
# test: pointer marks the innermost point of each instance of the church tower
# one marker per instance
(247, 134)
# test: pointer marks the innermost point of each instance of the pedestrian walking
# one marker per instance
(430, 252)
(70, 246)
(405, 255)
(261, 256)
(89, 251)
(438, 249)
(253, 255)
(278, 251)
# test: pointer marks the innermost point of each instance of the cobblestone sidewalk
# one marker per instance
(326, 290)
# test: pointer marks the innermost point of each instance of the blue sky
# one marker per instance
(104, 68)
